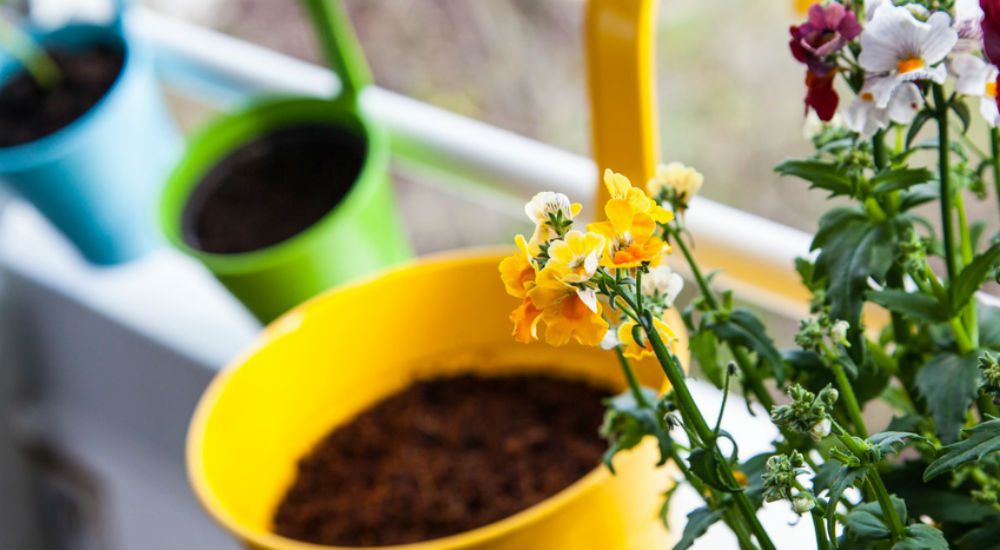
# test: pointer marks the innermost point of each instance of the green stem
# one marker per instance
(693, 417)
(878, 149)
(739, 354)
(969, 315)
(35, 60)
(848, 398)
(822, 542)
(888, 510)
(633, 383)
(944, 174)
(995, 148)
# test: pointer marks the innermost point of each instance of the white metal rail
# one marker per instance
(755, 254)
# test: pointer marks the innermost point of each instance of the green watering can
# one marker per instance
(359, 234)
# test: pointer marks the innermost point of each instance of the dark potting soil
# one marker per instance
(442, 457)
(272, 188)
(28, 111)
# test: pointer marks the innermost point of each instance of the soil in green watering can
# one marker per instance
(272, 188)
(442, 457)
(29, 112)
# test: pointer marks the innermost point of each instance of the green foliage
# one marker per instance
(949, 383)
(742, 328)
(917, 306)
(821, 175)
(982, 440)
(920, 536)
(697, 524)
(968, 281)
(884, 444)
(626, 423)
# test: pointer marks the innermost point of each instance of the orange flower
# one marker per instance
(632, 348)
(569, 312)
(630, 239)
(526, 318)
(518, 271)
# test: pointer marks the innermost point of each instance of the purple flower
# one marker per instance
(828, 29)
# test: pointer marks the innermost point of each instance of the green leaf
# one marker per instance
(920, 536)
(945, 505)
(984, 537)
(744, 329)
(915, 305)
(626, 423)
(886, 443)
(962, 111)
(706, 466)
(697, 524)
(949, 383)
(919, 194)
(901, 178)
(865, 522)
(820, 174)
(856, 250)
(905, 423)
(846, 477)
(982, 440)
(705, 348)
(989, 326)
(968, 281)
(826, 474)
(915, 126)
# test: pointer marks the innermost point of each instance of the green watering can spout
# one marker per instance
(340, 46)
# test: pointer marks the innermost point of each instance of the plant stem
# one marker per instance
(888, 510)
(878, 149)
(944, 174)
(693, 417)
(971, 324)
(741, 534)
(739, 354)
(30, 55)
(633, 383)
(995, 148)
(822, 542)
(849, 399)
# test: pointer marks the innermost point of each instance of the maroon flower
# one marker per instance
(820, 95)
(991, 33)
(828, 29)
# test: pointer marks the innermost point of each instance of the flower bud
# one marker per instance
(838, 332)
(820, 429)
(803, 503)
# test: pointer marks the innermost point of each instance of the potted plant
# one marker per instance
(927, 480)
(86, 136)
(290, 196)
(434, 358)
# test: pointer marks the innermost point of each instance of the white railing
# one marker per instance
(755, 254)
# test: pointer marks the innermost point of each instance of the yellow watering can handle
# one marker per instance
(621, 79)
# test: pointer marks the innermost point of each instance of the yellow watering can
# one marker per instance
(330, 358)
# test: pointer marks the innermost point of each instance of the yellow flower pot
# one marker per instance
(330, 358)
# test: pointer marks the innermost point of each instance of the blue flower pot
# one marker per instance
(98, 178)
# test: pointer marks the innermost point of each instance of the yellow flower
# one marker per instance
(630, 239)
(540, 207)
(526, 318)
(632, 348)
(568, 311)
(518, 271)
(622, 191)
(801, 7)
(683, 180)
(576, 256)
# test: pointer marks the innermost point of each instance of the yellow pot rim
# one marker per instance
(287, 322)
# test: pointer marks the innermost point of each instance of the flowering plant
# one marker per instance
(931, 478)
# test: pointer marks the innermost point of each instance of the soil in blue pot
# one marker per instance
(29, 111)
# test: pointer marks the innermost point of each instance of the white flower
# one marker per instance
(540, 207)
(821, 429)
(610, 340)
(976, 77)
(684, 180)
(968, 18)
(864, 115)
(838, 333)
(663, 281)
(897, 48)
